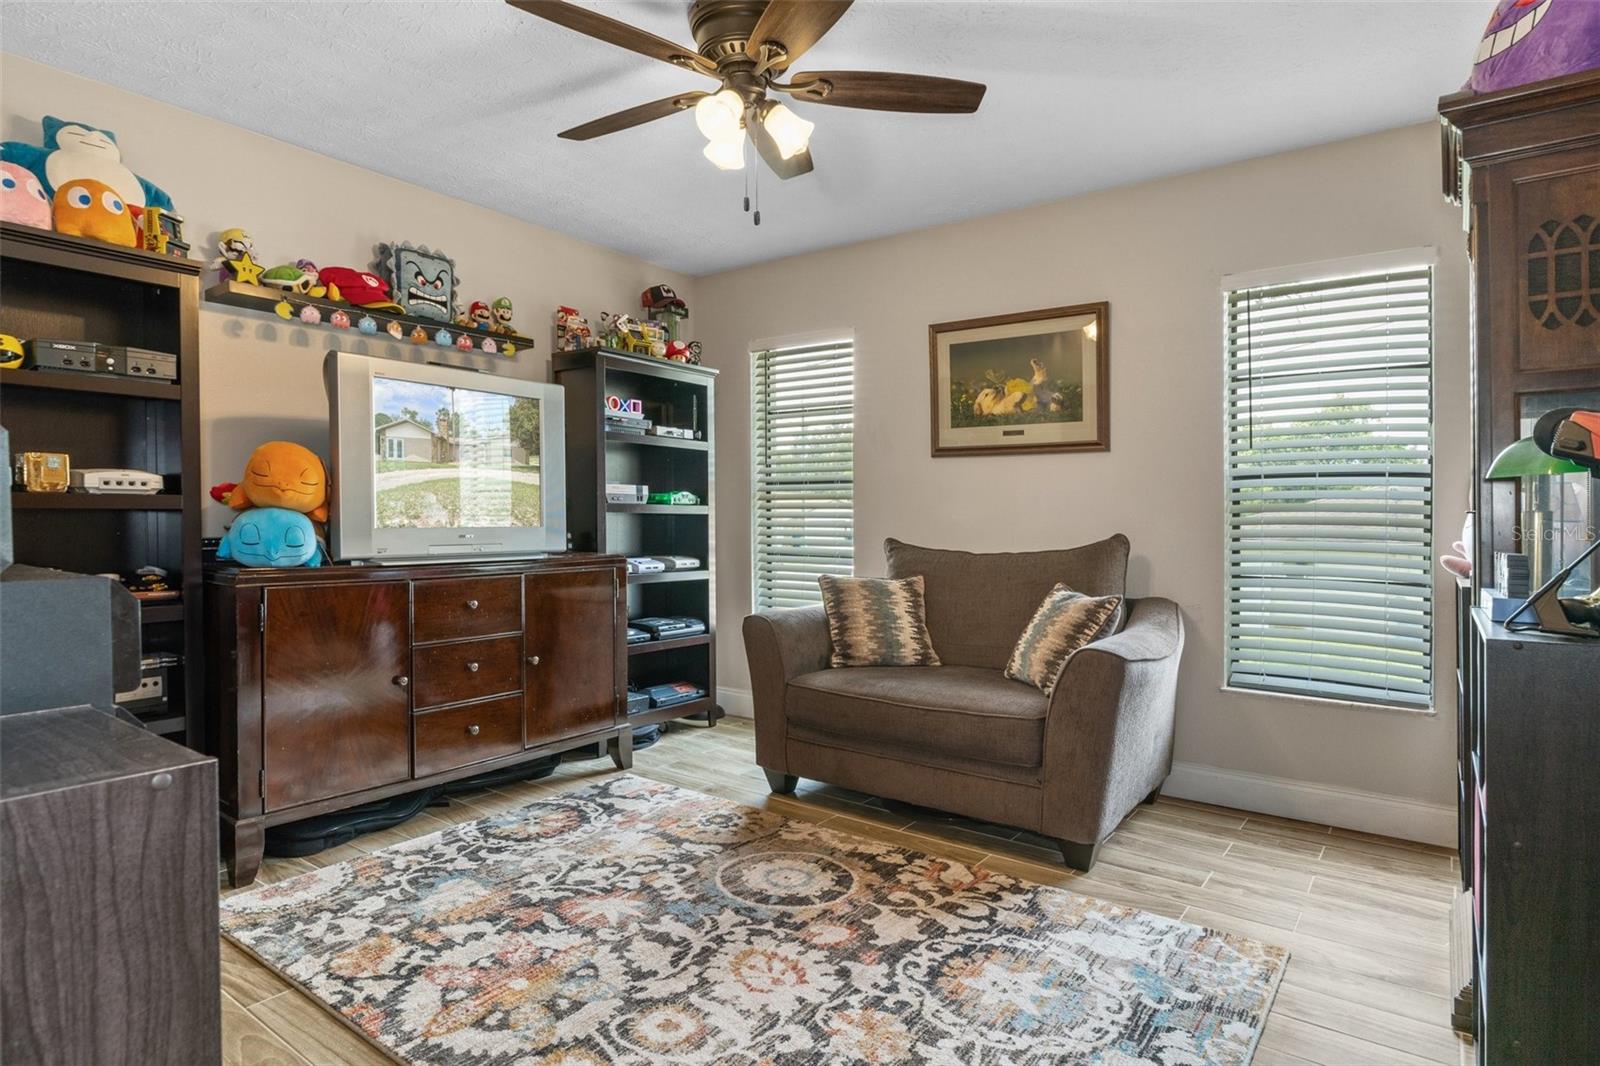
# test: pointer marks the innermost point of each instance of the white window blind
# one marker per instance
(803, 425)
(1330, 488)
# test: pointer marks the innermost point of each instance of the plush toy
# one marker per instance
(272, 536)
(1531, 40)
(88, 208)
(22, 197)
(477, 316)
(234, 248)
(360, 287)
(11, 353)
(78, 150)
(423, 282)
(502, 315)
(282, 474)
(289, 277)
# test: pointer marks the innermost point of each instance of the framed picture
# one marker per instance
(1038, 381)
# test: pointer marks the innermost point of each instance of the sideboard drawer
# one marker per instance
(460, 736)
(450, 609)
(467, 670)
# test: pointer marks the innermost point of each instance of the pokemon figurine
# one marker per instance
(74, 150)
(22, 197)
(281, 473)
(88, 208)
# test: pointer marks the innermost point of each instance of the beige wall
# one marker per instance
(1157, 252)
(261, 378)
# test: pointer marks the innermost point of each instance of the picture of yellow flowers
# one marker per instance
(1037, 381)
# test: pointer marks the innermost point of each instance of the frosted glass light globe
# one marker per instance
(727, 152)
(790, 132)
(717, 115)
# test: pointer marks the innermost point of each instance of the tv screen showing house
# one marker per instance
(448, 457)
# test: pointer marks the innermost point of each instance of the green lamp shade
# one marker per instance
(1526, 459)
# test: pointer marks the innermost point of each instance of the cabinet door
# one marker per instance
(572, 621)
(335, 706)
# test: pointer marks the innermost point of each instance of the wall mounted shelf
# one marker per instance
(263, 299)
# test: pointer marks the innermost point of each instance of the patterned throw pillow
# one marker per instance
(1064, 622)
(876, 621)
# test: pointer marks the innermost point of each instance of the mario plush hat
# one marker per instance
(662, 298)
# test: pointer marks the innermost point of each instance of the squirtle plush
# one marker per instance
(79, 150)
(22, 197)
(271, 536)
(283, 474)
(88, 208)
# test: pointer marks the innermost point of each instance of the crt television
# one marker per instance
(432, 462)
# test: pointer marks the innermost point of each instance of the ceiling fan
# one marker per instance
(748, 46)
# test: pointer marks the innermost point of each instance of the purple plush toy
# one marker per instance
(1531, 40)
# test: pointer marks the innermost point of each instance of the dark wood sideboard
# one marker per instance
(340, 685)
(108, 883)
(1529, 928)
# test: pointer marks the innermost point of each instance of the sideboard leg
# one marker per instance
(620, 747)
(242, 845)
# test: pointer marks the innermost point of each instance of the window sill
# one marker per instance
(1429, 711)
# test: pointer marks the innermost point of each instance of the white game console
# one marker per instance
(106, 480)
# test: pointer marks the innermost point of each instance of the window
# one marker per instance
(1330, 487)
(803, 430)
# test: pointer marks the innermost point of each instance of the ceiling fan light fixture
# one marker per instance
(718, 115)
(726, 152)
(790, 132)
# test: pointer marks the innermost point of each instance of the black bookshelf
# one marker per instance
(72, 288)
(673, 394)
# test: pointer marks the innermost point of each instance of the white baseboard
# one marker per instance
(737, 702)
(1347, 808)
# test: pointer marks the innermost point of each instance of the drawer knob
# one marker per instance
(472, 730)
(402, 680)
(161, 781)
(472, 605)
(533, 660)
(472, 668)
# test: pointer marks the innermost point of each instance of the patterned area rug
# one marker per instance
(633, 922)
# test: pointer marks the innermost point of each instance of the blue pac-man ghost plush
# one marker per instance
(271, 536)
(79, 150)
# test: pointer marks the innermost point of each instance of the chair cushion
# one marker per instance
(977, 604)
(876, 621)
(1064, 622)
(960, 711)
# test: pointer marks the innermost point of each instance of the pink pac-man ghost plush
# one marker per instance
(22, 198)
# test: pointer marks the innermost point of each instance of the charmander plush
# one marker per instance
(283, 474)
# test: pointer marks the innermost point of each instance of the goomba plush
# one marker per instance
(89, 208)
(281, 473)
(271, 536)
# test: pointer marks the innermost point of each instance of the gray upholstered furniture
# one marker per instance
(962, 738)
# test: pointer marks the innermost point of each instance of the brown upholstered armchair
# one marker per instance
(961, 737)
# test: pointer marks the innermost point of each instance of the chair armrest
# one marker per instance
(1108, 736)
(781, 645)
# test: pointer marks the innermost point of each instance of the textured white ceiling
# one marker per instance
(467, 97)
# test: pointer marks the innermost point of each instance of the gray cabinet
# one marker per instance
(108, 885)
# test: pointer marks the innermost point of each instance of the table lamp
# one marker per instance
(1529, 460)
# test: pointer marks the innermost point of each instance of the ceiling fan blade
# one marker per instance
(796, 25)
(633, 116)
(767, 149)
(877, 90)
(600, 27)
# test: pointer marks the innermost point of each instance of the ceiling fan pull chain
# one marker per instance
(756, 183)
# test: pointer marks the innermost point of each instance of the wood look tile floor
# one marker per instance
(1365, 917)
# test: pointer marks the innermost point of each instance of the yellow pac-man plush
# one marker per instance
(10, 352)
(89, 208)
